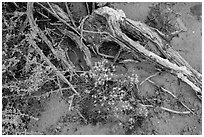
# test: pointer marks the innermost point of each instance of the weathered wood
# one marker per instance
(172, 62)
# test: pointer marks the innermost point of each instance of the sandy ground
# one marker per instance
(188, 44)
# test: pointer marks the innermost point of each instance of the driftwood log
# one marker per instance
(107, 24)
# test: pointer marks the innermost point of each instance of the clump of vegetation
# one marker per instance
(113, 98)
(161, 16)
(24, 73)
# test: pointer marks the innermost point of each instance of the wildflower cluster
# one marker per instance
(112, 95)
(101, 72)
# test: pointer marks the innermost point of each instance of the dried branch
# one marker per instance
(60, 19)
(47, 41)
(39, 51)
(59, 12)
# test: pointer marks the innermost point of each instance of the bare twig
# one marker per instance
(149, 77)
(173, 11)
(96, 32)
(72, 28)
(165, 90)
(117, 55)
(59, 84)
(151, 106)
(42, 14)
(81, 27)
(47, 41)
(60, 12)
(128, 61)
(85, 120)
(70, 15)
(39, 51)
(52, 9)
(93, 6)
(173, 111)
(15, 4)
(70, 102)
(87, 7)
(167, 109)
